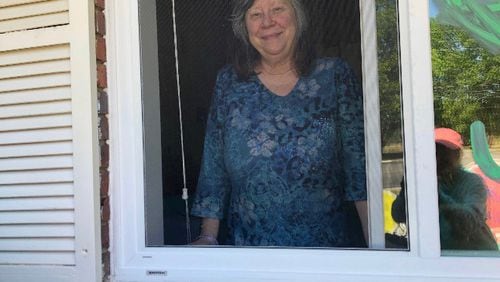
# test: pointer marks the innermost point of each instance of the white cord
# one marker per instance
(185, 195)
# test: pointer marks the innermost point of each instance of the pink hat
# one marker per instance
(448, 137)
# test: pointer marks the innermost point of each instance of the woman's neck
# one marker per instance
(279, 78)
(281, 67)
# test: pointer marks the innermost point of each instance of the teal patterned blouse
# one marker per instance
(279, 169)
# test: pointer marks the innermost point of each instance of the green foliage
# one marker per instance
(466, 78)
(388, 69)
(466, 81)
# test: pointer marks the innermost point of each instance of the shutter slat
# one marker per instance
(26, 204)
(36, 136)
(34, 22)
(33, 9)
(27, 123)
(36, 190)
(37, 95)
(45, 244)
(32, 55)
(32, 69)
(8, 3)
(40, 149)
(34, 82)
(34, 217)
(51, 258)
(37, 231)
(45, 258)
(35, 38)
(37, 109)
(36, 176)
(31, 163)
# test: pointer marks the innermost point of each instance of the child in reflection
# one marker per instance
(462, 199)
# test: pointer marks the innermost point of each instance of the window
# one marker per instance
(134, 260)
(179, 68)
(465, 59)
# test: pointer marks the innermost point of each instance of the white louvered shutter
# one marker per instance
(47, 173)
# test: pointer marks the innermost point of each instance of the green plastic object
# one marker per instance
(481, 151)
(480, 18)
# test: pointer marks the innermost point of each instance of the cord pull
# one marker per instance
(185, 197)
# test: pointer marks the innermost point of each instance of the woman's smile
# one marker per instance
(271, 36)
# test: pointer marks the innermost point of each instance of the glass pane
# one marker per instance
(465, 69)
(194, 45)
(395, 227)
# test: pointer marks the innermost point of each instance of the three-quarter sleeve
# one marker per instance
(213, 183)
(351, 133)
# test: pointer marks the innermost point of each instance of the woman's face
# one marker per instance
(271, 26)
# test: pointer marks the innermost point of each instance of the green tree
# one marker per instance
(388, 70)
(465, 78)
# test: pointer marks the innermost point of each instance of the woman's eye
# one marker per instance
(278, 9)
(255, 15)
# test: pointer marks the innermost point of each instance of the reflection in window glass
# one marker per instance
(465, 67)
(203, 50)
(396, 233)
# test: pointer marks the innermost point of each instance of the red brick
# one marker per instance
(102, 83)
(104, 154)
(102, 79)
(102, 96)
(100, 22)
(105, 235)
(105, 213)
(100, 4)
(100, 49)
(105, 265)
(103, 128)
(104, 181)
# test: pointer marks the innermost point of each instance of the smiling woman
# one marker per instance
(285, 174)
(283, 159)
(272, 28)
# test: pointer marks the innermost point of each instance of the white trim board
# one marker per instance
(85, 141)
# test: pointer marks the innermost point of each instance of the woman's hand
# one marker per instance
(205, 240)
(209, 231)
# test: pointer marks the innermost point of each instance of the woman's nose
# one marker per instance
(268, 19)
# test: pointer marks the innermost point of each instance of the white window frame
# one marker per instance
(133, 261)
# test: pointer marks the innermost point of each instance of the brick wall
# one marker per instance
(100, 24)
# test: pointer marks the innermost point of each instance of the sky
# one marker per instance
(433, 8)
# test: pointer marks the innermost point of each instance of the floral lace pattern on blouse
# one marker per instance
(279, 168)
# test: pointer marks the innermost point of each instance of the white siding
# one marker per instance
(37, 206)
